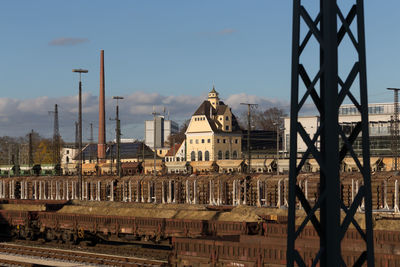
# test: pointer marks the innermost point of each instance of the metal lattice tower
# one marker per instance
(324, 145)
(249, 106)
(56, 139)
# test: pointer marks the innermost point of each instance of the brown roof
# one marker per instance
(170, 152)
(204, 109)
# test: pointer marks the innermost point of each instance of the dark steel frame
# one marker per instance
(333, 90)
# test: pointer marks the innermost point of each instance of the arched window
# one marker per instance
(234, 155)
(220, 154)
(227, 154)
(199, 156)
(207, 156)
(192, 156)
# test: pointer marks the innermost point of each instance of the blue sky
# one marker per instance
(158, 50)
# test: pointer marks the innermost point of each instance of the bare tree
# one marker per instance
(180, 136)
(264, 120)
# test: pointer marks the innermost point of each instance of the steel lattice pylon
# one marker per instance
(333, 90)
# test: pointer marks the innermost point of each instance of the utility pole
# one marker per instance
(56, 141)
(30, 150)
(277, 124)
(118, 136)
(9, 159)
(326, 91)
(248, 133)
(90, 142)
(154, 113)
(394, 128)
(80, 71)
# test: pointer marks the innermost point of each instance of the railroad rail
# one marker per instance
(78, 256)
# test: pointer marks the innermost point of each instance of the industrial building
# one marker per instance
(380, 123)
(164, 128)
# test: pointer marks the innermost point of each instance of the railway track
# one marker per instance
(75, 256)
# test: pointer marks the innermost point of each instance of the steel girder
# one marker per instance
(324, 214)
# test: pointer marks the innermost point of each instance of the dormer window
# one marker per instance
(227, 128)
(227, 118)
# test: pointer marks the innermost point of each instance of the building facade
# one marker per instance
(163, 129)
(380, 117)
(213, 132)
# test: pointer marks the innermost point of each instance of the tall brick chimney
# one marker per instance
(101, 145)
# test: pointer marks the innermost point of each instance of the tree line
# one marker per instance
(30, 149)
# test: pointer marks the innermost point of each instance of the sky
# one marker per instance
(163, 54)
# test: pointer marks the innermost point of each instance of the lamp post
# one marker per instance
(80, 71)
(118, 135)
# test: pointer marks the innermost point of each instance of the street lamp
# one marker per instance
(80, 71)
(118, 136)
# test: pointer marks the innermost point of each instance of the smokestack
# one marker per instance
(101, 146)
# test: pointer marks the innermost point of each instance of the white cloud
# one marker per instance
(18, 117)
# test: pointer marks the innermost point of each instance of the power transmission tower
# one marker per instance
(394, 127)
(248, 133)
(56, 141)
(333, 90)
(118, 136)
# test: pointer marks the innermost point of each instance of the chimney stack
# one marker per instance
(101, 146)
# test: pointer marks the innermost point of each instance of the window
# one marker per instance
(218, 141)
(224, 141)
(67, 151)
(226, 128)
(208, 140)
(236, 141)
(227, 118)
(199, 156)
(67, 159)
(166, 159)
(192, 156)
(178, 159)
(207, 156)
(191, 141)
(202, 141)
(220, 154)
(234, 155)
(227, 154)
(197, 141)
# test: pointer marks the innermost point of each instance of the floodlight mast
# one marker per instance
(80, 71)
